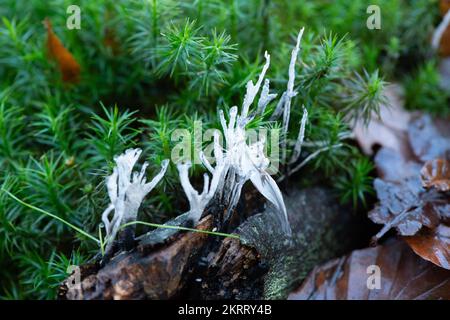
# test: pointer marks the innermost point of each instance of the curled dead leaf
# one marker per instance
(415, 136)
(389, 128)
(394, 166)
(407, 207)
(444, 45)
(433, 245)
(429, 137)
(69, 67)
(402, 276)
(436, 174)
(444, 6)
(418, 214)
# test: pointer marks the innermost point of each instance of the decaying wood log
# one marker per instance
(233, 271)
(138, 274)
(164, 270)
(263, 263)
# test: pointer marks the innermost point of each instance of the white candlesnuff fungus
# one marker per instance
(240, 162)
(290, 93)
(127, 190)
(236, 163)
(265, 98)
(284, 105)
(252, 89)
(300, 138)
(198, 202)
(247, 162)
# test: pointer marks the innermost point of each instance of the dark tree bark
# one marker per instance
(167, 270)
(263, 263)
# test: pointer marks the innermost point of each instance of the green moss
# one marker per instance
(149, 67)
(423, 91)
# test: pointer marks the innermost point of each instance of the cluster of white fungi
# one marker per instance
(236, 162)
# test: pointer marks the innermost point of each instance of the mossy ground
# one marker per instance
(148, 67)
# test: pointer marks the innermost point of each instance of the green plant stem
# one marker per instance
(53, 216)
(220, 234)
(102, 243)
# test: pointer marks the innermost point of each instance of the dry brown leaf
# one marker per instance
(404, 276)
(69, 67)
(444, 6)
(444, 48)
(407, 207)
(436, 174)
(388, 129)
(433, 245)
(444, 45)
(429, 137)
(415, 136)
(404, 204)
(393, 166)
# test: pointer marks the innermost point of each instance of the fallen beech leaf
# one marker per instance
(387, 130)
(444, 44)
(404, 204)
(436, 174)
(69, 67)
(426, 138)
(403, 276)
(393, 166)
(407, 207)
(433, 245)
(444, 6)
